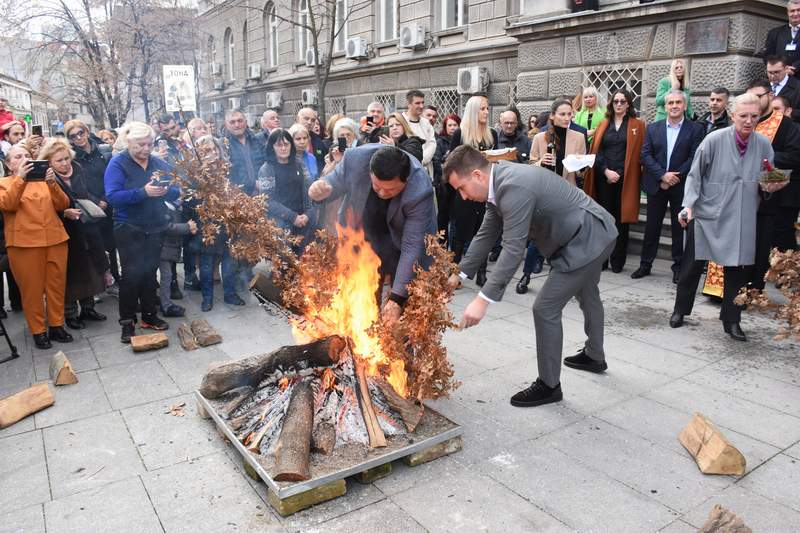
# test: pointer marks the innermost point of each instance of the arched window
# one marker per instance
(245, 54)
(303, 40)
(230, 47)
(270, 24)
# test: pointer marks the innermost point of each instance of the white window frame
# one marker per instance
(303, 34)
(273, 21)
(245, 51)
(461, 13)
(385, 32)
(230, 53)
(342, 11)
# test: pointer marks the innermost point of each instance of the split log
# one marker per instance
(376, 437)
(294, 444)
(186, 337)
(721, 520)
(409, 411)
(17, 406)
(153, 341)
(61, 371)
(252, 370)
(323, 439)
(204, 334)
(264, 289)
(713, 453)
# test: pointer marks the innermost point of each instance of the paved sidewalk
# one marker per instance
(108, 456)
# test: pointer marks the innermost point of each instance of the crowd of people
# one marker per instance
(97, 219)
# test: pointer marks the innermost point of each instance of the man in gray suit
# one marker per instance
(390, 195)
(524, 203)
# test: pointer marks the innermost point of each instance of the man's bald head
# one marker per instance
(307, 116)
(270, 120)
(508, 122)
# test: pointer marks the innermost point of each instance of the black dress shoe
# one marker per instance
(173, 310)
(233, 299)
(676, 320)
(581, 361)
(207, 305)
(734, 330)
(676, 275)
(75, 323)
(41, 341)
(522, 286)
(128, 331)
(59, 334)
(538, 265)
(480, 278)
(640, 272)
(92, 315)
(537, 394)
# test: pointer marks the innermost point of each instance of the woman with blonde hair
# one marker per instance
(86, 256)
(676, 80)
(140, 219)
(466, 216)
(399, 133)
(195, 129)
(591, 112)
(36, 243)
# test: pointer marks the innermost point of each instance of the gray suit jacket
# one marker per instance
(532, 203)
(411, 214)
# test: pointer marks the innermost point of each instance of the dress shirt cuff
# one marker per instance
(483, 296)
(462, 275)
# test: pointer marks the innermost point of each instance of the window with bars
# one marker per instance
(447, 102)
(387, 100)
(296, 107)
(336, 106)
(607, 80)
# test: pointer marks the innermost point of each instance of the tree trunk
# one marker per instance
(294, 444)
(410, 412)
(252, 370)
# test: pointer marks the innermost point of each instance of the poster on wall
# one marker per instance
(179, 88)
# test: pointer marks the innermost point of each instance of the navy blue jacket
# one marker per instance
(246, 160)
(125, 180)
(654, 153)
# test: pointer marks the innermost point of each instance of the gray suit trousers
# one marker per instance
(554, 295)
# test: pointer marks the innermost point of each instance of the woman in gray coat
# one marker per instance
(721, 200)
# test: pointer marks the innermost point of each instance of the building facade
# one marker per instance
(525, 52)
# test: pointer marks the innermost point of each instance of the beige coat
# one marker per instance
(576, 144)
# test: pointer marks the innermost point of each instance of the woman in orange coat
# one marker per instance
(614, 182)
(37, 246)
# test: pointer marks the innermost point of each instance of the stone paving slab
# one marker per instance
(121, 507)
(377, 518)
(23, 471)
(759, 513)
(778, 479)
(137, 383)
(27, 520)
(81, 361)
(84, 399)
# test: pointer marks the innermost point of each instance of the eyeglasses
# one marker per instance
(620, 102)
(762, 95)
(77, 135)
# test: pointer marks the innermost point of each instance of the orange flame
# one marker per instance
(328, 379)
(283, 383)
(353, 309)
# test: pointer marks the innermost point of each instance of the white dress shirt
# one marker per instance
(672, 137)
(489, 199)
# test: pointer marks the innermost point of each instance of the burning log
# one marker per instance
(410, 412)
(252, 370)
(323, 439)
(294, 444)
(376, 437)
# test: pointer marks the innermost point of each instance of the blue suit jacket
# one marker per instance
(654, 153)
(411, 214)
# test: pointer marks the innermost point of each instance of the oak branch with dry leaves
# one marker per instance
(784, 271)
(252, 236)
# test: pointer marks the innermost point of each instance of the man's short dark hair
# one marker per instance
(463, 160)
(784, 101)
(164, 118)
(721, 90)
(771, 60)
(389, 163)
(760, 84)
(432, 108)
(414, 93)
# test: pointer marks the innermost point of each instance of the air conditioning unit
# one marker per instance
(274, 100)
(219, 85)
(216, 69)
(309, 97)
(472, 80)
(311, 57)
(412, 37)
(356, 48)
(215, 108)
(254, 71)
(234, 103)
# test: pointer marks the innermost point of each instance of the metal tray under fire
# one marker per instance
(347, 460)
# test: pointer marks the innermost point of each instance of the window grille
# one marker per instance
(297, 105)
(447, 101)
(607, 79)
(387, 100)
(336, 106)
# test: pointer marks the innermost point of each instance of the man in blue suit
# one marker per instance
(667, 154)
(390, 195)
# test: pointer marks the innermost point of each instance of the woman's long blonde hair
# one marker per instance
(673, 78)
(471, 132)
(52, 146)
(402, 121)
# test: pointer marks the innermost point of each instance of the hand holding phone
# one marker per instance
(36, 129)
(38, 170)
(342, 144)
